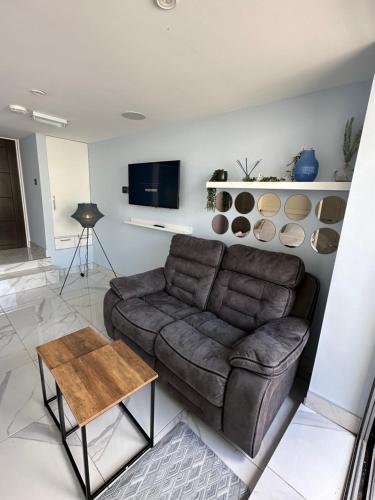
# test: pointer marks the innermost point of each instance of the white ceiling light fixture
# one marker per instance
(49, 119)
(133, 115)
(16, 108)
(166, 4)
(38, 92)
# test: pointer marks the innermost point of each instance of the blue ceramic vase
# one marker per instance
(307, 167)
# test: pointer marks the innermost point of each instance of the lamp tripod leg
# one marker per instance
(74, 256)
(106, 256)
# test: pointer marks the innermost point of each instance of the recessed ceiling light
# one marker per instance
(166, 4)
(133, 115)
(16, 108)
(49, 119)
(38, 92)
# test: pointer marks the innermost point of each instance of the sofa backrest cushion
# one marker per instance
(255, 286)
(191, 268)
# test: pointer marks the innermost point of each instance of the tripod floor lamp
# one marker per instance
(87, 214)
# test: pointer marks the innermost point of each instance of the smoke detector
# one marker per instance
(166, 4)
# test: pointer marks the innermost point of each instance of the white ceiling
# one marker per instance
(97, 59)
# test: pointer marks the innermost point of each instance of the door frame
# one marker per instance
(22, 187)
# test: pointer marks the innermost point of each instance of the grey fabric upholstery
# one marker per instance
(190, 398)
(170, 305)
(140, 322)
(198, 360)
(191, 268)
(139, 285)
(225, 343)
(245, 294)
(273, 347)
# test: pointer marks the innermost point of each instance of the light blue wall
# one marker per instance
(33, 193)
(273, 132)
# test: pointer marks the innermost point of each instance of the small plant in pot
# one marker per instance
(217, 176)
(248, 172)
(349, 149)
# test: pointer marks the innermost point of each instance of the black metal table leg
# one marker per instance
(86, 462)
(152, 413)
(47, 401)
(85, 484)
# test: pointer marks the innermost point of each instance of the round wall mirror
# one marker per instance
(292, 235)
(297, 207)
(220, 224)
(269, 204)
(244, 203)
(325, 240)
(264, 230)
(241, 227)
(330, 209)
(223, 201)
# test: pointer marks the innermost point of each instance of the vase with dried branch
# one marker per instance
(349, 148)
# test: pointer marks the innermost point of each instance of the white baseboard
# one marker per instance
(335, 413)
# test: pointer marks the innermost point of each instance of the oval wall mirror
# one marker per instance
(223, 201)
(244, 203)
(325, 240)
(292, 235)
(220, 224)
(297, 207)
(330, 209)
(269, 204)
(264, 230)
(241, 227)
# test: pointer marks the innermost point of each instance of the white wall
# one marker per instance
(33, 194)
(273, 132)
(39, 201)
(345, 363)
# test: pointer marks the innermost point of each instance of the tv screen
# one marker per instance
(154, 184)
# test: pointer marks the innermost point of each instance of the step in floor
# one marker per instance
(18, 281)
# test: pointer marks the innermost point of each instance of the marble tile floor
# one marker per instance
(32, 459)
(15, 255)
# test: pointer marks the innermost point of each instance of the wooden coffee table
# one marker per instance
(62, 350)
(91, 384)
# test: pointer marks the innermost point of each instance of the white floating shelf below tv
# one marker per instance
(295, 186)
(159, 226)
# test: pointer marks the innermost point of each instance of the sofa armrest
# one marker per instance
(139, 285)
(272, 348)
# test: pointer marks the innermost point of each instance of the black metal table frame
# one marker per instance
(85, 484)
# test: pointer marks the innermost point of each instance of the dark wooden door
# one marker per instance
(12, 224)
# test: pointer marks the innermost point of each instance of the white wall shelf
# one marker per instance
(295, 186)
(159, 226)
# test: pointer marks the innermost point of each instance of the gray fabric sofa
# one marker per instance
(223, 327)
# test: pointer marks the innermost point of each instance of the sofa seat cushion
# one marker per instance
(170, 305)
(198, 360)
(215, 328)
(140, 321)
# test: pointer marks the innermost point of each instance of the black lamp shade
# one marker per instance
(87, 214)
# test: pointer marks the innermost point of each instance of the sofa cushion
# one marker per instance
(215, 328)
(140, 321)
(255, 286)
(170, 305)
(198, 360)
(191, 268)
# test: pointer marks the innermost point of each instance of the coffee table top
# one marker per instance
(64, 349)
(93, 383)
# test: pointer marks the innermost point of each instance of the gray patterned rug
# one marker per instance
(181, 467)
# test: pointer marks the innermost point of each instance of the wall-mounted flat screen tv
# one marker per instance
(154, 184)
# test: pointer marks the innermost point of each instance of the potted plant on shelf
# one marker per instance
(217, 176)
(349, 149)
